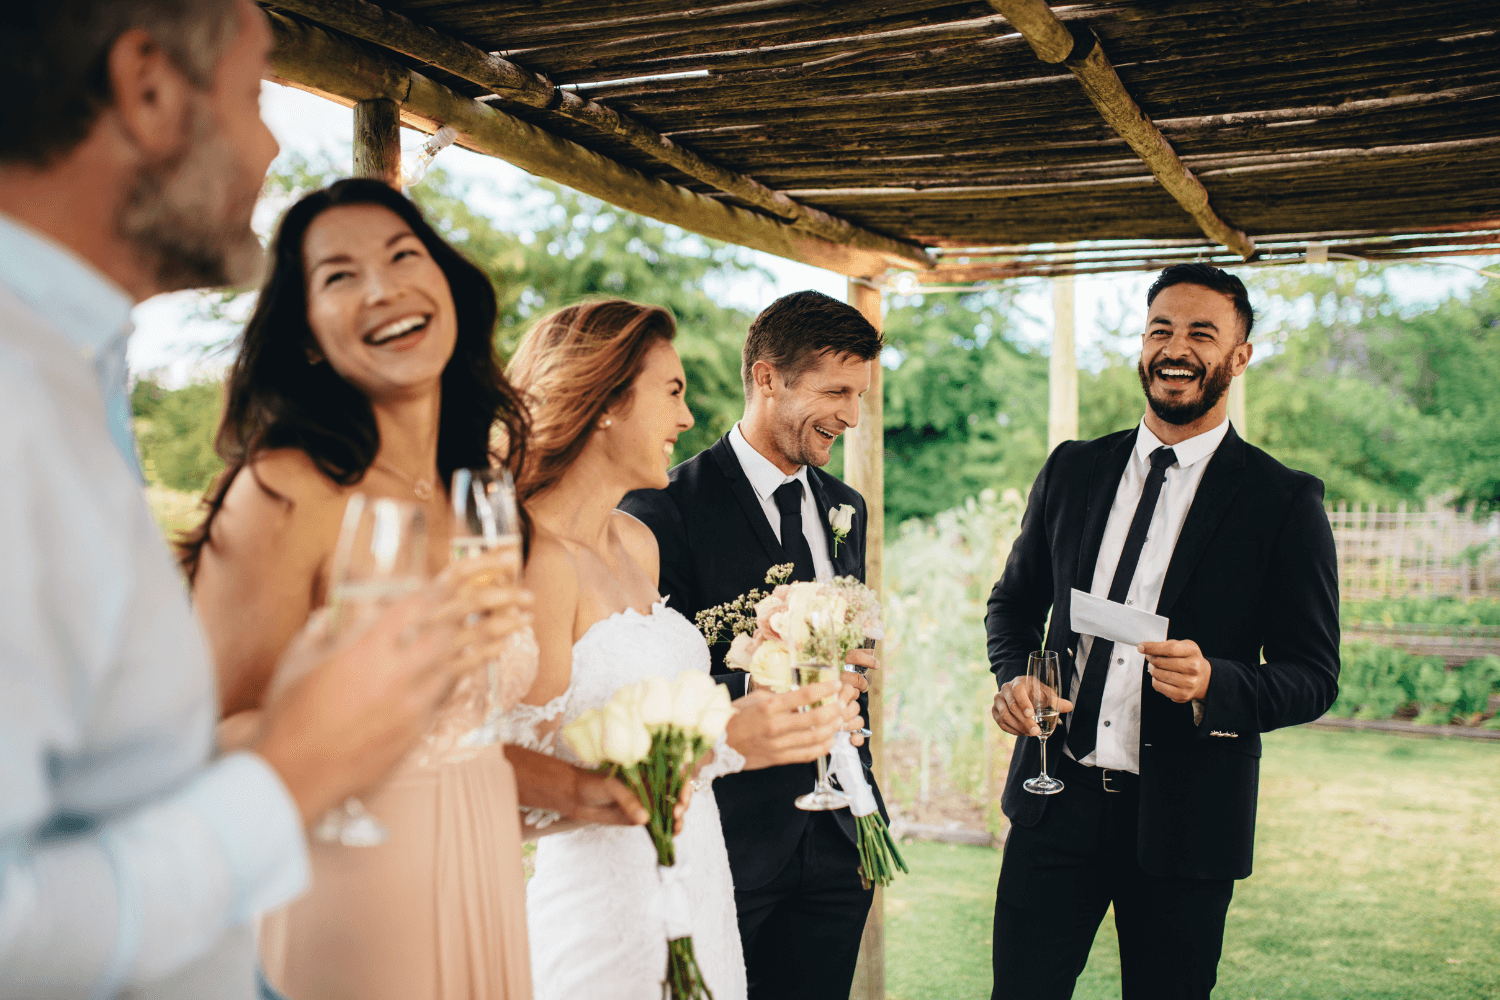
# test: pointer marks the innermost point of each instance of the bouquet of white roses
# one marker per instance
(820, 623)
(650, 734)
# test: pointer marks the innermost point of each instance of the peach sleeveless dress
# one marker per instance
(437, 912)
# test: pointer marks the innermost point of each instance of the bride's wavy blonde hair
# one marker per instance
(573, 365)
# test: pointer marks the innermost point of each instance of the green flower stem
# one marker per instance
(879, 858)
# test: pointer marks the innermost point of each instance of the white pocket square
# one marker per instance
(1219, 732)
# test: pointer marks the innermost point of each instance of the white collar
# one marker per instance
(761, 471)
(1190, 452)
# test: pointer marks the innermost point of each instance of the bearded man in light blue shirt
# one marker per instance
(131, 863)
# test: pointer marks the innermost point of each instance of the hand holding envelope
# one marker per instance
(1178, 668)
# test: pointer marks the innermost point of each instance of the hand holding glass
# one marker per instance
(1041, 689)
(485, 520)
(381, 556)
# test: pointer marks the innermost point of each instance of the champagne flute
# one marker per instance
(381, 556)
(485, 519)
(1041, 686)
(824, 796)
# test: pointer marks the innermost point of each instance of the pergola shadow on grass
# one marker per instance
(924, 144)
(1376, 878)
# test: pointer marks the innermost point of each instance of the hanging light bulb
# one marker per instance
(413, 172)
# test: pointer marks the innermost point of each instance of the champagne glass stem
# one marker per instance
(1044, 758)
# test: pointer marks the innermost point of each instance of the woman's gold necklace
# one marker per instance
(421, 487)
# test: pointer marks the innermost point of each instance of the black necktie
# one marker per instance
(793, 541)
(1083, 730)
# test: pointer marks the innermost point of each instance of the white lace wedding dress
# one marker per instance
(599, 914)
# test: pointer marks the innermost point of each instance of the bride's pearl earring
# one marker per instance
(607, 422)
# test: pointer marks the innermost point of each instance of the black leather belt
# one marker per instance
(1098, 778)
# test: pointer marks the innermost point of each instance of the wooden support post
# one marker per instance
(1237, 403)
(864, 470)
(377, 140)
(1062, 369)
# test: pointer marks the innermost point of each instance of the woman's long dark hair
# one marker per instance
(275, 397)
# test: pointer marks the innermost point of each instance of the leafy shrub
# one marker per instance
(1422, 611)
(1377, 682)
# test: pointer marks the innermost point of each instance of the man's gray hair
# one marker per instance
(54, 62)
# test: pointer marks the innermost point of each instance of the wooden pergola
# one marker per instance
(953, 143)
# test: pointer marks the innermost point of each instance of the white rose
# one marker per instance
(772, 667)
(739, 651)
(654, 701)
(716, 714)
(690, 692)
(842, 518)
(626, 739)
(714, 720)
(585, 735)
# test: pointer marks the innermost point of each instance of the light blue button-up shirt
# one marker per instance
(131, 863)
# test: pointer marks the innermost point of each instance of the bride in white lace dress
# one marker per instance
(606, 389)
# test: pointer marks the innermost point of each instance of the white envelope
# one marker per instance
(1116, 622)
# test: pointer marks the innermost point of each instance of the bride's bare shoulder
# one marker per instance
(639, 541)
(552, 576)
(551, 571)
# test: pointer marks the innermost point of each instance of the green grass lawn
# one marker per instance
(1377, 877)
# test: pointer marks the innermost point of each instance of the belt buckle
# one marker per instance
(1104, 778)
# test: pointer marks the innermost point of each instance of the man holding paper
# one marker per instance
(1193, 590)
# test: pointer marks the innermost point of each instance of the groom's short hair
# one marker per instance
(793, 332)
(1212, 278)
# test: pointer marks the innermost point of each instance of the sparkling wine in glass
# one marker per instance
(824, 796)
(1042, 687)
(381, 556)
(485, 519)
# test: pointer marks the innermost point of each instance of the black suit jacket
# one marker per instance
(717, 544)
(1253, 580)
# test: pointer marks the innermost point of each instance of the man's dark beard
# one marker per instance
(1215, 384)
(184, 214)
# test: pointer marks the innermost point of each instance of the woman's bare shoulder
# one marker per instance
(281, 493)
(639, 541)
(551, 571)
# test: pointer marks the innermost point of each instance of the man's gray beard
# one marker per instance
(1215, 384)
(188, 220)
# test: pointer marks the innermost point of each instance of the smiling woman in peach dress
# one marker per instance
(369, 365)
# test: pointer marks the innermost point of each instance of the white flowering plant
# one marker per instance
(820, 623)
(651, 734)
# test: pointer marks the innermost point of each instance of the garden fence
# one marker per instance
(1437, 552)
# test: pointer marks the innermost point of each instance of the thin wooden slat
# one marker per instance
(391, 30)
(313, 59)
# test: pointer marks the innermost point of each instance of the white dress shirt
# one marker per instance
(765, 478)
(1119, 736)
(130, 863)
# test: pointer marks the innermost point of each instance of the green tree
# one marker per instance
(965, 404)
(175, 430)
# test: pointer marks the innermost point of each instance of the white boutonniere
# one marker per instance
(841, 518)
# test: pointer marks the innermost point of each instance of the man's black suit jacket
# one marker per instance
(1253, 575)
(717, 544)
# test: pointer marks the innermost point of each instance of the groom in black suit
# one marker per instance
(755, 499)
(1160, 758)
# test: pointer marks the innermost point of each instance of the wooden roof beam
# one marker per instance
(502, 78)
(347, 72)
(1078, 48)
